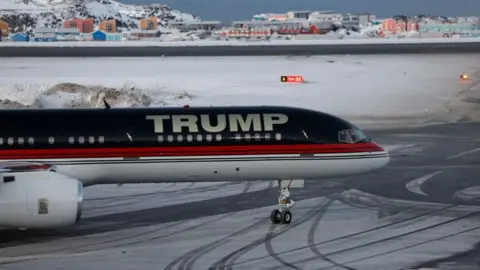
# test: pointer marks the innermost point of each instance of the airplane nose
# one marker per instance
(385, 159)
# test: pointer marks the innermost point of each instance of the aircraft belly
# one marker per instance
(204, 170)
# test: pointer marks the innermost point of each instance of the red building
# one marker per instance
(84, 25)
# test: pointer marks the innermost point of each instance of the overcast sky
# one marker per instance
(228, 10)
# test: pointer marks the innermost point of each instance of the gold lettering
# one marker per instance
(236, 121)
(270, 119)
(188, 121)
(158, 122)
(207, 126)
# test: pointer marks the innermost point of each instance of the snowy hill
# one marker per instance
(26, 15)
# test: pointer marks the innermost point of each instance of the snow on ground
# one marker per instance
(9, 5)
(360, 88)
(335, 236)
(237, 43)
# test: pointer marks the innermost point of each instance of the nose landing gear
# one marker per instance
(282, 212)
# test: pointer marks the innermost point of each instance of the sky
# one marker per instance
(230, 10)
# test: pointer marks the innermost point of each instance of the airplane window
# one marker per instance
(51, 140)
(258, 137)
(358, 135)
(278, 136)
(30, 140)
(238, 137)
(91, 139)
(160, 138)
(247, 137)
(209, 137)
(267, 136)
(1, 141)
(20, 140)
(352, 136)
(180, 138)
(170, 138)
(218, 137)
(10, 141)
(199, 137)
(189, 138)
(71, 140)
(101, 139)
(81, 139)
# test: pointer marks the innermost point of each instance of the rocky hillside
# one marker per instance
(26, 15)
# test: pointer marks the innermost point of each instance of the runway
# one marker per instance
(184, 50)
(421, 210)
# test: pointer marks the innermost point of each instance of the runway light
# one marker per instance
(463, 76)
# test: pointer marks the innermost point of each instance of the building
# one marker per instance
(320, 27)
(359, 18)
(99, 35)
(67, 34)
(109, 26)
(67, 31)
(43, 34)
(298, 15)
(447, 27)
(20, 37)
(407, 26)
(272, 17)
(114, 37)
(258, 33)
(189, 26)
(4, 28)
(145, 34)
(325, 16)
(150, 23)
(84, 25)
(44, 37)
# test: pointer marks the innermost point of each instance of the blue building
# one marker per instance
(19, 37)
(99, 35)
(114, 37)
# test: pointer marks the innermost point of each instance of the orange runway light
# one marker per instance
(464, 76)
(291, 79)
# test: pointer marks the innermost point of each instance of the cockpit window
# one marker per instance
(352, 136)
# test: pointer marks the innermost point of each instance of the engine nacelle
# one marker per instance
(39, 200)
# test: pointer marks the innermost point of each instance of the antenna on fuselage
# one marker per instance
(107, 106)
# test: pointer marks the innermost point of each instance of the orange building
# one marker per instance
(84, 25)
(389, 25)
(393, 26)
(149, 23)
(4, 28)
(109, 26)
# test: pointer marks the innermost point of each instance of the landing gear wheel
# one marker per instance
(286, 217)
(276, 216)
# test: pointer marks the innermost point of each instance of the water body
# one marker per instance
(229, 10)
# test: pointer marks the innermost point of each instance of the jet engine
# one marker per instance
(39, 200)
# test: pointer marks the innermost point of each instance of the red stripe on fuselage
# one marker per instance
(99, 152)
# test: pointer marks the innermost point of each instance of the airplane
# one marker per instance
(48, 156)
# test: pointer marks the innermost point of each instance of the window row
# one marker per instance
(160, 138)
(216, 137)
(51, 140)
